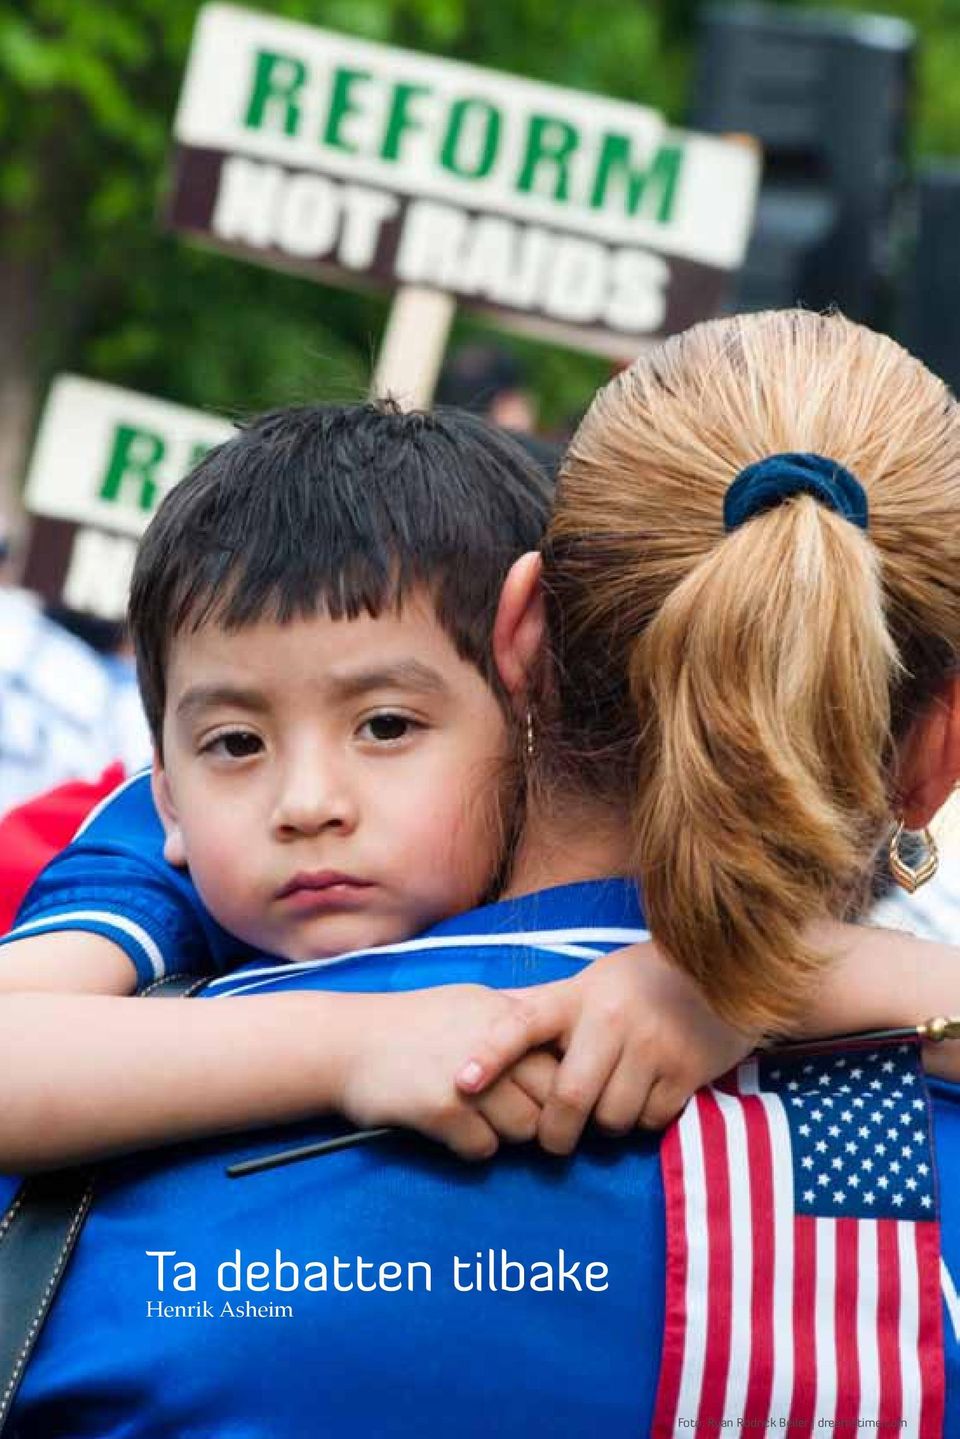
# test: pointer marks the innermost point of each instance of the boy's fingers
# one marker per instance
(664, 1103)
(624, 1097)
(510, 1111)
(535, 1074)
(469, 1135)
(581, 1077)
(534, 1018)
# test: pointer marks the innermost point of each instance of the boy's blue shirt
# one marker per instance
(151, 910)
(389, 1363)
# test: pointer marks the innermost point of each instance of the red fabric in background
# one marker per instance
(33, 833)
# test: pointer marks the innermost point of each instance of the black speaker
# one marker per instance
(827, 95)
(931, 315)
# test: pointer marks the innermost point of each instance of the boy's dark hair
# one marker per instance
(337, 509)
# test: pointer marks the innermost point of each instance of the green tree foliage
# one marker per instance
(88, 90)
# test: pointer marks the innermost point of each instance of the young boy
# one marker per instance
(312, 612)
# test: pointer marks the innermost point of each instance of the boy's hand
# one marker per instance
(399, 1059)
(637, 1039)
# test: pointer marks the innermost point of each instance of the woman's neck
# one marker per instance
(562, 845)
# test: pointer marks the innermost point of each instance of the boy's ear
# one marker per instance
(520, 625)
(929, 762)
(174, 851)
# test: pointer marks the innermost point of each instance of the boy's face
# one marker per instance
(331, 784)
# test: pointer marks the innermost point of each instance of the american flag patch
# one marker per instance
(803, 1251)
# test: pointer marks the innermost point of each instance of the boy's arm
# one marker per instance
(67, 962)
(83, 1076)
(883, 979)
(638, 1038)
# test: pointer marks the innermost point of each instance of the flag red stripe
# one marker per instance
(931, 1329)
(889, 1410)
(756, 1406)
(845, 1322)
(675, 1317)
(804, 1346)
(717, 1355)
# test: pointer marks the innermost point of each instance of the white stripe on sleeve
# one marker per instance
(51, 923)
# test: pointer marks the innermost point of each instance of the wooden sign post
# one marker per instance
(413, 345)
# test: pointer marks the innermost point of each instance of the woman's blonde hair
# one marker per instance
(749, 687)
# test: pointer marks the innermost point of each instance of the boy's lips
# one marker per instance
(320, 888)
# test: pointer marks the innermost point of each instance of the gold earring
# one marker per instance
(907, 876)
(530, 742)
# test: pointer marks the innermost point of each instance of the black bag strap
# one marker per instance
(37, 1237)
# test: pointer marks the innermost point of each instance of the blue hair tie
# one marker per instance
(764, 484)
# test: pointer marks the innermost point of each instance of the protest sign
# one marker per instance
(583, 219)
(103, 460)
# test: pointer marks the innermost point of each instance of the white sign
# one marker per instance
(103, 460)
(319, 151)
(106, 457)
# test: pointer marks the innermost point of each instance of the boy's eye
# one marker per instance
(236, 744)
(386, 727)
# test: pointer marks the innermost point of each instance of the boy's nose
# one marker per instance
(313, 799)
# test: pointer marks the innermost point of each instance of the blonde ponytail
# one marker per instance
(766, 676)
(745, 690)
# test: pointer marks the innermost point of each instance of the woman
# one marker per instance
(763, 673)
(717, 714)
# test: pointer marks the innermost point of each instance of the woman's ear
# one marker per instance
(929, 764)
(174, 850)
(520, 625)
